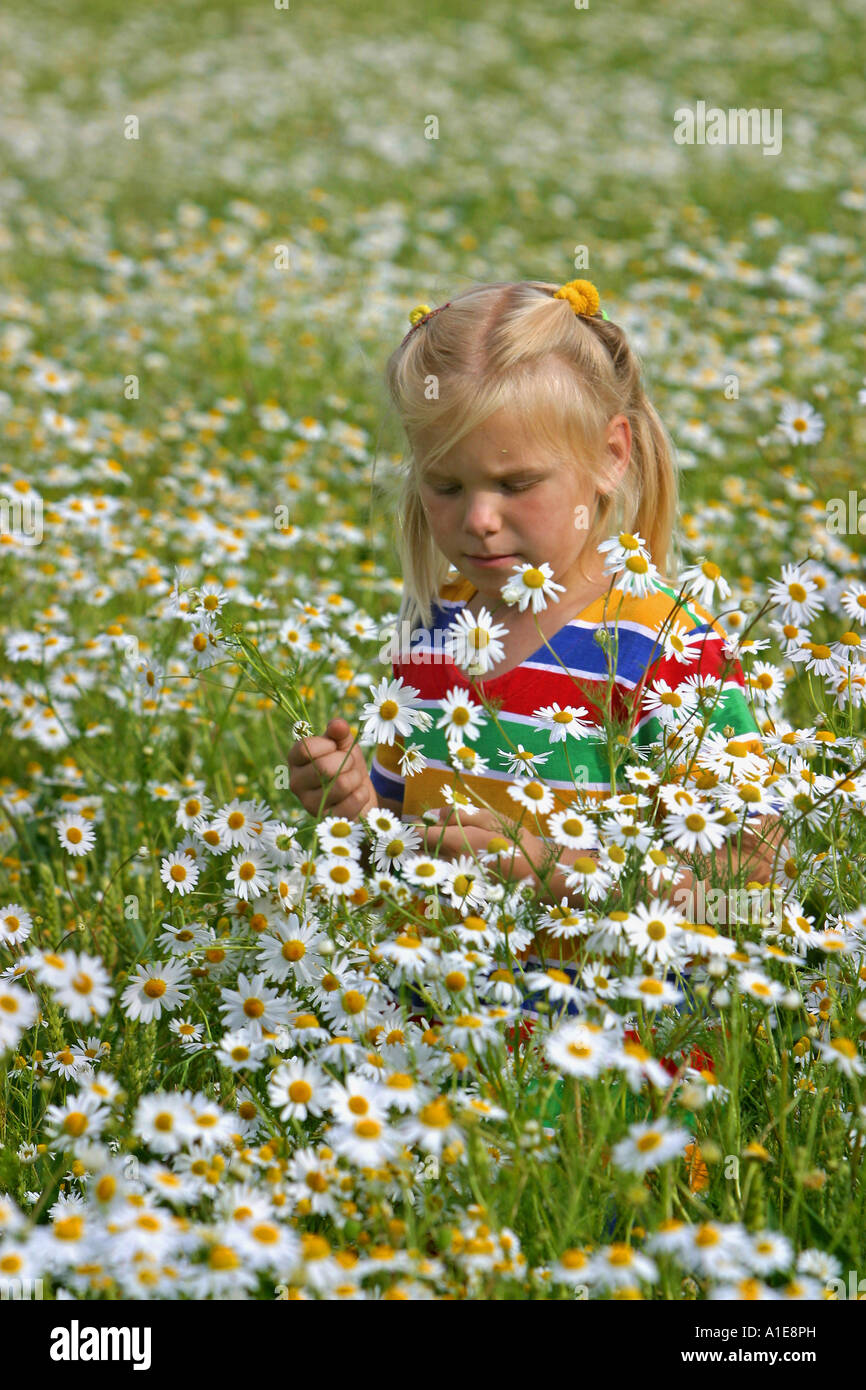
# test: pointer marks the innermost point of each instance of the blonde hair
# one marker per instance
(514, 346)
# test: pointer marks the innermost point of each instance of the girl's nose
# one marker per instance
(480, 515)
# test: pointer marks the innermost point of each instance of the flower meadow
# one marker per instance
(250, 1053)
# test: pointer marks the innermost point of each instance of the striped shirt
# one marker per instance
(579, 674)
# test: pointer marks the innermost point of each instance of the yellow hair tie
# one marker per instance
(421, 311)
(582, 296)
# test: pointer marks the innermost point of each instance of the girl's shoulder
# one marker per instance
(453, 593)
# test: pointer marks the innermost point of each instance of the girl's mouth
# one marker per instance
(492, 561)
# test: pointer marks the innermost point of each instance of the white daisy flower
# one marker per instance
(654, 931)
(565, 720)
(291, 950)
(389, 712)
(423, 871)
(800, 423)
(578, 1048)
(842, 1053)
(189, 810)
(432, 1128)
(533, 795)
(649, 1145)
(18, 1009)
(696, 829)
(367, 1143)
(797, 595)
(154, 989)
(638, 576)
(572, 830)
(298, 1089)
(474, 642)
(16, 925)
(671, 707)
(679, 644)
(76, 835)
(704, 583)
(240, 1051)
(249, 875)
(462, 718)
(86, 993)
(531, 585)
(520, 761)
(759, 986)
(339, 876)
(465, 884)
(618, 549)
(179, 873)
(652, 992)
(253, 1006)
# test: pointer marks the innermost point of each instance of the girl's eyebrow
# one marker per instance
(509, 471)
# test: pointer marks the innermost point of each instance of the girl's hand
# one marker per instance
(479, 834)
(314, 761)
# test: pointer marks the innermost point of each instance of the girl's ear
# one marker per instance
(617, 453)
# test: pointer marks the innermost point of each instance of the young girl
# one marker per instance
(531, 442)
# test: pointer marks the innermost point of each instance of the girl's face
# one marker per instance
(499, 499)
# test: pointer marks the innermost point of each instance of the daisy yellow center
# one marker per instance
(572, 827)
(222, 1257)
(637, 564)
(479, 637)
(656, 930)
(69, 1228)
(389, 709)
(533, 578)
(353, 1001)
(573, 1259)
(293, 950)
(82, 984)
(236, 820)
(340, 874)
(178, 872)
(845, 1047)
(73, 835)
(75, 1124)
(253, 1008)
(358, 1105)
(651, 987)
(585, 865)
(695, 821)
(300, 1092)
(647, 1142)
(797, 592)
(579, 1050)
(368, 1129)
(710, 570)
(154, 989)
(460, 715)
(436, 1115)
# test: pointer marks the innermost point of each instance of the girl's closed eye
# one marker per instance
(449, 489)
